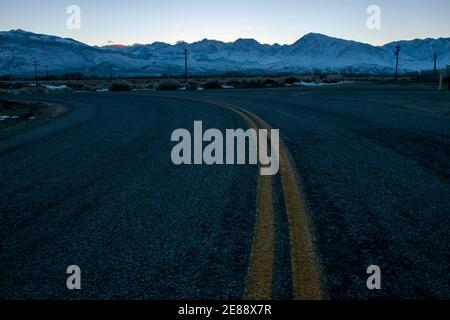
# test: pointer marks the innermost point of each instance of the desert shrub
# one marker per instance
(246, 83)
(71, 76)
(333, 79)
(308, 79)
(234, 82)
(77, 86)
(192, 85)
(120, 86)
(6, 77)
(212, 84)
(12, 85)
(256, 83)
(270, 82)
(36, 90)
(98, 85)
(23, 91)
(5, 85)
(290, 80)
(168, 85)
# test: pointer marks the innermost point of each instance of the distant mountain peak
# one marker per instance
(315, 35)
(312, 36)
(314, 51)
(246, 41)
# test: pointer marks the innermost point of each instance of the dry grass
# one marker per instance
(21, 87)
(120, 86)
(168, 85)
(27, 115)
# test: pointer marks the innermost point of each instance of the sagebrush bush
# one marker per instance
(23, 91)
(120, 86)
(36, 90)
(78, 86)
(291, 80)
(333, 79)
(192, 85)
(256, 83)
(234, 82)
(212, 84)
(308, 79)
(246, 83)
(168, 85)
(270, 82)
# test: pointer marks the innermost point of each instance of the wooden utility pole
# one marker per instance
(397, 53)
(186, 53)
(35, 63)
(447, 69)
(441, 79)
(46, 71)
(435, 67)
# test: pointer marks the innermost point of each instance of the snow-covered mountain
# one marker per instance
(19, 49)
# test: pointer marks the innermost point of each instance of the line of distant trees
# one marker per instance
(427, 75)
(50, 77)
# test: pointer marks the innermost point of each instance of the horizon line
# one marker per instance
(222, 41)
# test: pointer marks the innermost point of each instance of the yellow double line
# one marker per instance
(304, 268)
(305, 272)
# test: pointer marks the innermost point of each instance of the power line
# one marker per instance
(416, 60)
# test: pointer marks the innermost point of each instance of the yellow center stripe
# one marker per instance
(305, 271)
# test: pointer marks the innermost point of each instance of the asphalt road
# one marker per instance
(97, 188)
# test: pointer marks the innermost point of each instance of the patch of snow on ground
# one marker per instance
(200, 89)
(227, 87)
(3, 118)
(318, 84)
(55, 87)
(102, 90)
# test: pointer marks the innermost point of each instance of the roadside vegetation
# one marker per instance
(76, 83)
(168, 85)
(16, 116)
(120, 86)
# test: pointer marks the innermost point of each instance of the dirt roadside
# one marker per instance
(16, 117)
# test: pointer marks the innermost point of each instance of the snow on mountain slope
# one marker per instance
(319, 51)
(18, 50)
(419, 53)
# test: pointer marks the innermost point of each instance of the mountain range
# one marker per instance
(19, 49)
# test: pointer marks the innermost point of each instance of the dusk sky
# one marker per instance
(268, 21)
